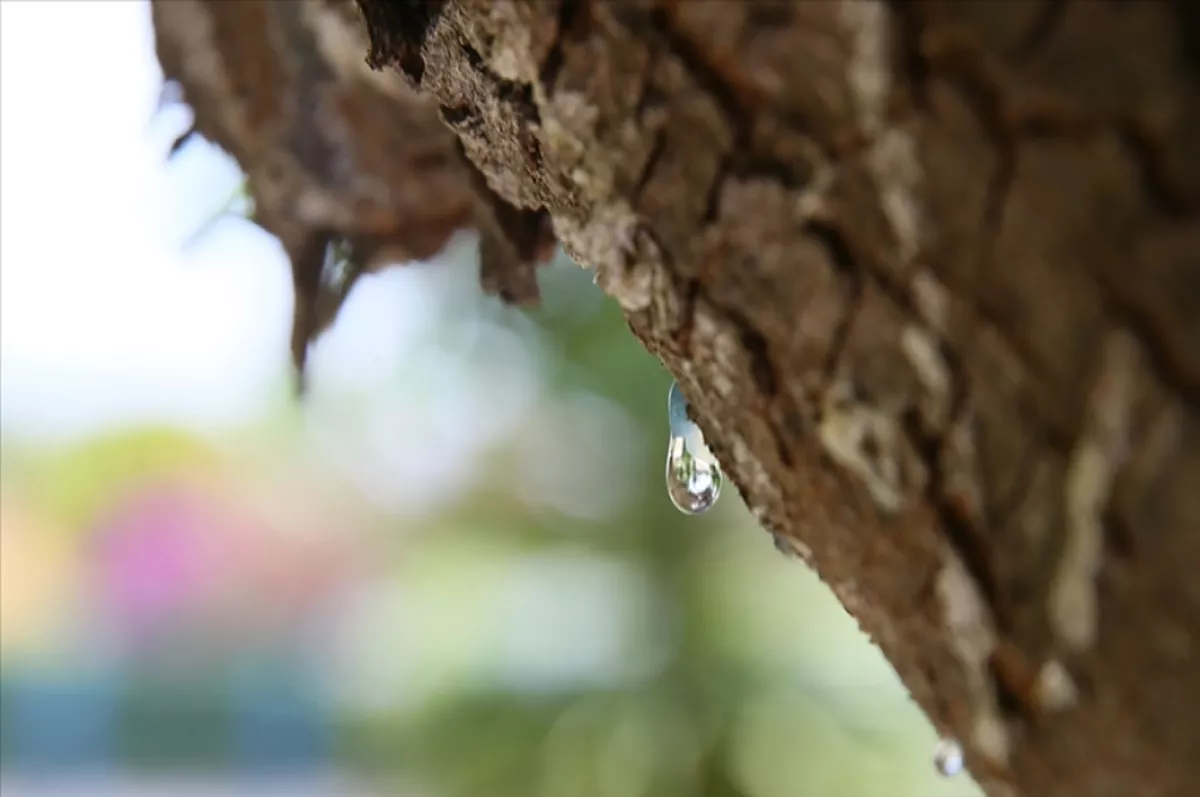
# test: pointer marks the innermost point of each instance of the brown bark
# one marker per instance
(929, 274)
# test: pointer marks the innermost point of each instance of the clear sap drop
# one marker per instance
(693, 473)
(948, 757)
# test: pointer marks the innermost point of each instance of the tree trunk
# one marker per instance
(929, 275)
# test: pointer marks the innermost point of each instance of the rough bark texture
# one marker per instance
(929, 274)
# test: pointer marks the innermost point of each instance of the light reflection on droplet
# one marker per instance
(693, 473)
(948, 757)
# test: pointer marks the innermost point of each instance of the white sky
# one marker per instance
(105, 317)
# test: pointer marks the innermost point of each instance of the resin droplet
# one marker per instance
(693, 473)
(948, 757)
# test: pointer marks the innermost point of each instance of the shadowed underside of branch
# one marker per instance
(929, 275)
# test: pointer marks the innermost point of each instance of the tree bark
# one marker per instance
(929, 275)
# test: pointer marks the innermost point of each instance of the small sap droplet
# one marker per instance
(693, 484)
(693, 473)
(335, 267)
(948, 757)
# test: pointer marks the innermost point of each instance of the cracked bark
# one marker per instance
(929, 275)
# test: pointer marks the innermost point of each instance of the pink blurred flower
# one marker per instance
(155, 557)
(184, 559)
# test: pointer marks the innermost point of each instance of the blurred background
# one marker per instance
(454, 571)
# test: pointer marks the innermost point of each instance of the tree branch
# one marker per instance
(929, 275)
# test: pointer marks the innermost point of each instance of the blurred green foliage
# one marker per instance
(77, 482)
